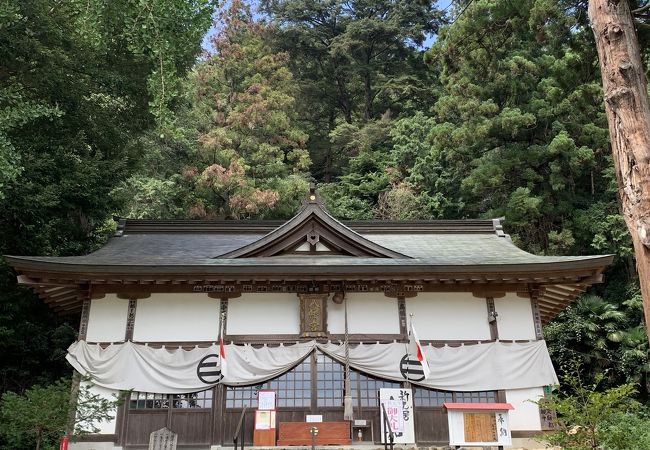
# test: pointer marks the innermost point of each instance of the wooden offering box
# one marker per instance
(329, 433)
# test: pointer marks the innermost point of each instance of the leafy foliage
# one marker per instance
(40, 415)
(75, 96)
(353, 61)
(520, 131)
(589, 418)
(236, 137)
(608, 338)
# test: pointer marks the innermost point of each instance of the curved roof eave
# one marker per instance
(264, 265)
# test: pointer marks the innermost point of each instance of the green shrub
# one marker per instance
(589, 419)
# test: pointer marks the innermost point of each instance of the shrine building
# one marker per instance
(301, 304)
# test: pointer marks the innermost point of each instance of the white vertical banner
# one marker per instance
(399, 409)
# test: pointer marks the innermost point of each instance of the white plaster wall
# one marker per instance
(368, 313)
(515, 317)
(109, 394)
(107, 319)
(266, 313)
(449, 315)
(525, 416)
(177, 317)
(335, 317)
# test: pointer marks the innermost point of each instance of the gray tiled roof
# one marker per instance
(430, 248)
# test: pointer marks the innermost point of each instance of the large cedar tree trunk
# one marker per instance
(628, 114)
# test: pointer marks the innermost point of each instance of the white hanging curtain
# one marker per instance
(479, 367)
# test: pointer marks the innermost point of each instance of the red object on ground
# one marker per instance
(65, 440)
(469, 406)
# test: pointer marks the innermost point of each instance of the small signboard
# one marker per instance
(265, 400)
(479, 424)
(264, 420)
(399, 409)
(314, 418)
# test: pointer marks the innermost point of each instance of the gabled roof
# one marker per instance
(312, 226)
(160, 255)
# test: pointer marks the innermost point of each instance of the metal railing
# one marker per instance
(241, 426)
(389, 436)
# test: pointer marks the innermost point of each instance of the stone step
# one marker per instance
(369, 446)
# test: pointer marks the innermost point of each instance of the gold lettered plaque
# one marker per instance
(313, 315)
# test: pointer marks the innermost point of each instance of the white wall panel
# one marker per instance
(335, 317)
(264, 314)
(109, 394)
(177, 317)
(515, 320)
(525, 416)
(368, 313)
(449, 315)
(107, 319)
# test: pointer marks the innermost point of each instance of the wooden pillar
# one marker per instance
(492, 318)
(130, 319)
(492, 313)
(76, 377)
(219, 391)
(537, 320)
(131, 312)
(401, 311)
(537, 317)
(223, 314)
(83, 322)
(218, 413)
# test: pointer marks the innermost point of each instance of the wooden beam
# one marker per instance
(566, 289)
(485, 293)
(58, 295)
(71, 297)
(133, 295)
(544, 308)
(558, 297)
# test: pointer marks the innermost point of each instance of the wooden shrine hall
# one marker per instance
(302, 307)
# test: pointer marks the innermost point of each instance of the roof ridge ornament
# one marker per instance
(498, 227)
(313, 197)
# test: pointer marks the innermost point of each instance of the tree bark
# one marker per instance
(628, 115)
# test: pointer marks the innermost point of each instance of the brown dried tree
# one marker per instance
(628, 115)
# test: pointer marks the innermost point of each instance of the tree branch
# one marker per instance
(641, 9)
(642, 24)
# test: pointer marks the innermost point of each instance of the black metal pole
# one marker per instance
(243, 430)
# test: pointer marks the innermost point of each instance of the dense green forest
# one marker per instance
(397, 110)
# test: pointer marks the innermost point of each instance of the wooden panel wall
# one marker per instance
(192, 426)
(431, 426)
(139, 425)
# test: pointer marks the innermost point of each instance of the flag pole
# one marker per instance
(222, 354)
(408, 353)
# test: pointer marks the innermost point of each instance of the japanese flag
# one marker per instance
(416, 350)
